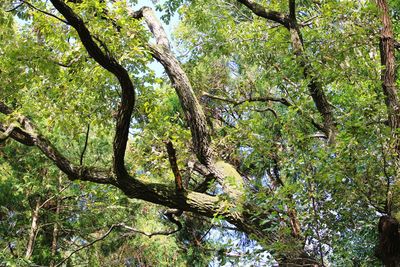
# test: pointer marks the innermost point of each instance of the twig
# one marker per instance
(86, 144)
(131, 229)
(15, 8)
(89, 244)
(45, 12)
(149, 235)
(59, 192)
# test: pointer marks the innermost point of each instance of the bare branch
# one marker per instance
(169, 214)
(154, 25)
(15, 8)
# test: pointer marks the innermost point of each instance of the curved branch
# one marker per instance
(26, 133)
(7, 132)
(88, 244)
(194, 113)
(109, 63)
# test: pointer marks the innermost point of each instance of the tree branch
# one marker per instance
(89, 244)
(388, 73)
(315, 86)
(193, 111)
(128, 91)
(86, 144)
(5, 134)
(260, 11)
(44, 12)
(174, 166)
(283, 101)
(28, 134)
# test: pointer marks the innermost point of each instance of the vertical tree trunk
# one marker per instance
(33, 230)
(388, 75)
(388, 249)
(56, 227)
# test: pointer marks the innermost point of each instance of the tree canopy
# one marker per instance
(272, 136)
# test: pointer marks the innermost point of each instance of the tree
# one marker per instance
(281, 120)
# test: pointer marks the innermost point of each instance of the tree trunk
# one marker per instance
(388, 249)
(56, 227)
(33, 230)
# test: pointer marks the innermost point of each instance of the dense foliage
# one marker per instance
(271, 138)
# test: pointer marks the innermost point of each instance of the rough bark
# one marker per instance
(388, 74)
(194, 113)
(388, 249)
(109, 63)
(162, 194)
(192, 109)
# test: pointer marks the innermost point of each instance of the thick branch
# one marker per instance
(109, 63)
(198, 203)
(260, 11)
(154, 25)
(5, 134)
(28, 134)
(194, 113)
